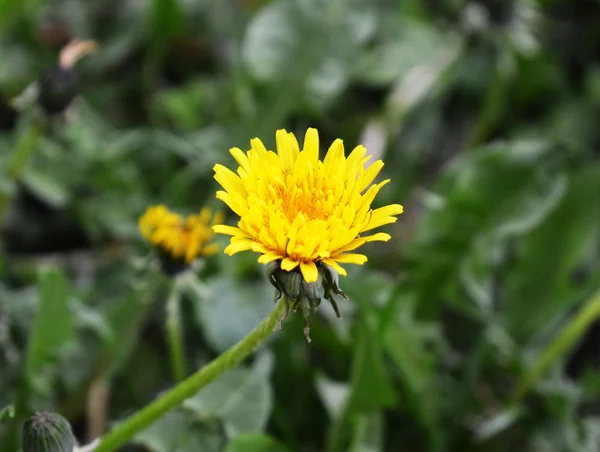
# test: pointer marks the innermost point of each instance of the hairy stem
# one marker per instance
(190, 386)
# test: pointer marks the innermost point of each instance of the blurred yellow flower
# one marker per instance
(178, 237)
(298, 209)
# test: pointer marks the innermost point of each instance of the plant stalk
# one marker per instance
(174, 331)
(190, 386)
(570, 334)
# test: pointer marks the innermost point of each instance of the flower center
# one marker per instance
(320, 200)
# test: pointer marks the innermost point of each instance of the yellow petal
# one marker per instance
(356, 155)
(232, 202)
(229, 230)
(379, 237)
(294, 147)
(236, 247)
(352, 245)
(269, 257)
(369, 196)
(211, 249)
(369, 175)
(379, 221)
(309, 271)
(218, 218)
(285, 149)
(311, 145)
(288, 264)
(335, 157)
(259, 248)
(259, 148)
(333, 264)
(351, 258)
(392, 209)
(240, 157)
(230, 181)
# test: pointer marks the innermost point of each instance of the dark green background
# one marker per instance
(485, 114)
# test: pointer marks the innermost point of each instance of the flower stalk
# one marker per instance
(174, 331)
(570, 334)
(190, 386)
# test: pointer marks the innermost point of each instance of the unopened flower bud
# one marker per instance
(48, 432)
(306, 296)
(314, 292)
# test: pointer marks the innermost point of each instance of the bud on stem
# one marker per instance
(48, 432)
(304, 295)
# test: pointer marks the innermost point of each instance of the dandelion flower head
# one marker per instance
(178, 237)
(299, 210)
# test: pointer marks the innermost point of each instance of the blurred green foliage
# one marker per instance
(484, 113)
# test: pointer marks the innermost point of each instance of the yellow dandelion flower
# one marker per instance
(180, 239)
(299, 210)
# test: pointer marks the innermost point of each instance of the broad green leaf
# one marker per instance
(234, 309)
(404, 44)
(255, 442)
(334, 396)
(183, 106)
(53, 325)
(45, 187)
(178, 432)
(309, 45)
(125, 319)
(481, 194)
(538, 286)
(242, 399)
(405, 340)
(90, 318)
(371, 388)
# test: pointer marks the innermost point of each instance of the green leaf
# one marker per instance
(165, 19)
(125, 319)
(404, 44)
(538, 286)
(498, 423)
(334, 396)
(368, 434)
(45, 187)
(255, 442)
(234, 309)
(307, 45)
(182, 105)
(242, 399)
(486, 197)
(7, 413)
(178, 432)
(406, 340)
(371, 389)
(53, 325)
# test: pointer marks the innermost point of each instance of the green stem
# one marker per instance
(561, 344)
(174, 331)
(187, 388)
(25, 146)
